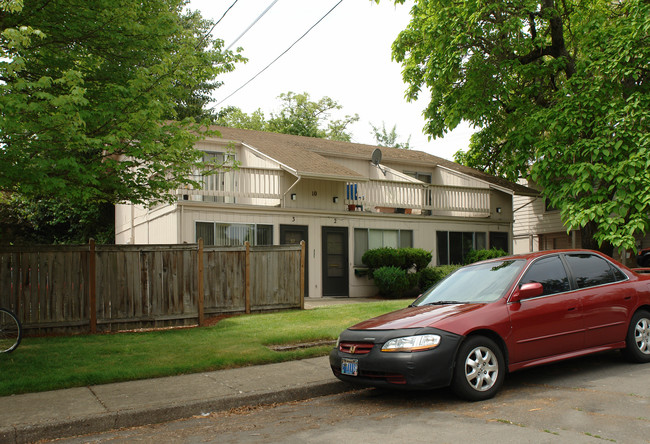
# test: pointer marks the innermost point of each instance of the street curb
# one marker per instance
(154, 415)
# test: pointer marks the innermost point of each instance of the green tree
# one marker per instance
(558, 90)
(298, 115)
(389, 139)
(233, 117)
(87, 97)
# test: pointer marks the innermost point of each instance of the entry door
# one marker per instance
(292, 235)
(335, 261)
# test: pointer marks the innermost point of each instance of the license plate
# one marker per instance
(349, 367)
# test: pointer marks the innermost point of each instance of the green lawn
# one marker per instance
(40, 364)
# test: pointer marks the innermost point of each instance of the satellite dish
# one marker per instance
(376, 156)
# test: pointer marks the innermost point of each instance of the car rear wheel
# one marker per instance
(637, 347)
(479, 370)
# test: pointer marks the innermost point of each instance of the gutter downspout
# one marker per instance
(284, 196)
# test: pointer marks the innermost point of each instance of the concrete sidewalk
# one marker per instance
(77, 411)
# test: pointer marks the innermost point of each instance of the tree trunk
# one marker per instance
(588, 242)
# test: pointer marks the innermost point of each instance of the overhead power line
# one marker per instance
(218, 21)
(283, 53)
(252, 24)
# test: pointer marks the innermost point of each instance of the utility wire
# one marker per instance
(252, 24)
(214, 26)
(278, 57)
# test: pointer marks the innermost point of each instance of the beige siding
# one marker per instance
(317, 195)
(444, 176)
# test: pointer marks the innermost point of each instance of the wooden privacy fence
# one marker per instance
(91, 288)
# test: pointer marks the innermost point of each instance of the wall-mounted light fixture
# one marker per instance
(293, 196)
(335, 200)
(498, 209)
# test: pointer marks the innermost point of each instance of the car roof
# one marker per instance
(536, 254)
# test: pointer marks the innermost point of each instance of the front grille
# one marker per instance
(356, 348)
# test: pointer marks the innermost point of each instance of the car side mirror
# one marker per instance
(527, 291)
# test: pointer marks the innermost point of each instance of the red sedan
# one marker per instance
(499, 316)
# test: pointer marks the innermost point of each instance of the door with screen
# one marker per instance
(335, 261)
(292, 235)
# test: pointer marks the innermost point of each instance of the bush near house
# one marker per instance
(396, 271)
(402, 272)
(432, 275)
(404, 258)
(481, 255)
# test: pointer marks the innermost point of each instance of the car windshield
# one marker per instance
(482, 282)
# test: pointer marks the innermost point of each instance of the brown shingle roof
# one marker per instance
(308, 156)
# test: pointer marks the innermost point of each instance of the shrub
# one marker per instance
(404, 258)
(416, 257)
(391, 269)
(481, 255)
(383, 257)
(431, 275)
(391, 281)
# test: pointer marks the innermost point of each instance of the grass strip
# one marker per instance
(51, 363)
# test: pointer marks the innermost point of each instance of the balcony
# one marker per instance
(259, 186)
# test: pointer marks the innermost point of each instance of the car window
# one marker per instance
(549, 272)
(590, 270)
(477, 283)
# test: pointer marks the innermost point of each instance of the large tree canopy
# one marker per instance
(93, 98)
(559, 92)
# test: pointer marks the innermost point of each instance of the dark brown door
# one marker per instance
(335, 261)
(292, 235)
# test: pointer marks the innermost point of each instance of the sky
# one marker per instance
(346, 57)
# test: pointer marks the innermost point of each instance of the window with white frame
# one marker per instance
(368, 239)
(233, 235)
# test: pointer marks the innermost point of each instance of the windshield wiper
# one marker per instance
(444, 303)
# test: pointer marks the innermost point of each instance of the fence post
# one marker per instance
(302, 274)
(247, 283)
(92, 284)
(200, 286)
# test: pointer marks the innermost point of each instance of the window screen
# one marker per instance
(205, 231)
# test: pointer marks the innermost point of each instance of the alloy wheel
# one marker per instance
(481, 369)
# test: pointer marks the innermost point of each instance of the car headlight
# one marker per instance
(412, 343)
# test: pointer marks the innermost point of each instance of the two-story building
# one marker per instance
(538, 226)
(340, 198)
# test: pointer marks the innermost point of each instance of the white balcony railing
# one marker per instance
(244, 182)
(433, 199)
(263, 187)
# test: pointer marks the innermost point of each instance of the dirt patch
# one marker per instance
(289, 347)
(209, 322)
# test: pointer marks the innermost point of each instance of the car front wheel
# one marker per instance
(479, 370)
(637, 347)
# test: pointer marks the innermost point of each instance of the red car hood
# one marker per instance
(414, 317)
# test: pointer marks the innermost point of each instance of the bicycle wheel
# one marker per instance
(10, 331)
